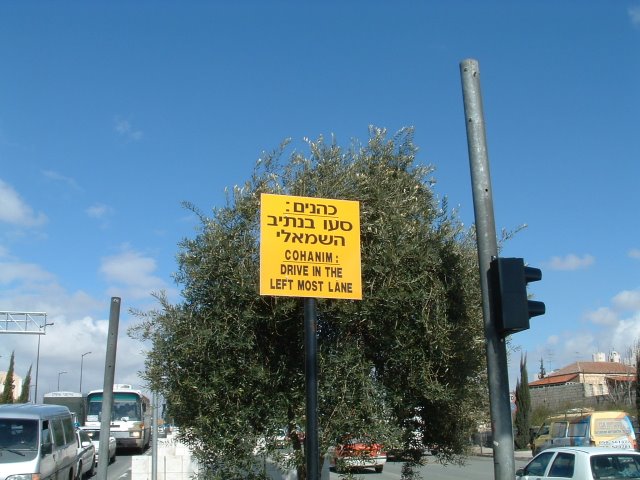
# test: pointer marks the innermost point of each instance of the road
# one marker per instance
(476, 468)
(121, 468)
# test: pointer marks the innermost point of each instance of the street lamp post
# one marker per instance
(60, 373)
(35, 395)
(81, 362)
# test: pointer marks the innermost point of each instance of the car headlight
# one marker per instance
(134, 434)
(24, 476)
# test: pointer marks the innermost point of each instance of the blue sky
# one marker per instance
(113, 113)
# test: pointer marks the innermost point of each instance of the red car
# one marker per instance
(357, 452)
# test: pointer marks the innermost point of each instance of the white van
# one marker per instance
(37, 440)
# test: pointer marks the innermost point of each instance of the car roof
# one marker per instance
(592, 450)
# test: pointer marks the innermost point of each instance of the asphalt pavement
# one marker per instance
(488, 452)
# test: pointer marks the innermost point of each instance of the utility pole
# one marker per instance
(107, 389)
(501, 426)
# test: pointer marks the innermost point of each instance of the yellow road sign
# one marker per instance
(309, 247)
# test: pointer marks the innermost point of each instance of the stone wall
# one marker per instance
(572, 395)
(558, 397)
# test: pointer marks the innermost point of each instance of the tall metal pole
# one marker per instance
(107, 388)
(503, 461)
(45, 325)
(60, 373)
(311, 379)
(35, 395)
(154, 439)
(81, 365)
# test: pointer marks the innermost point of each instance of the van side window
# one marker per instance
(69, 431)
(46, 433)
(578, 429)
(558, 429)
(58, 432)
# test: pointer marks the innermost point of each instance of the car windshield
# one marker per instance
(93, 434)
(615, 465)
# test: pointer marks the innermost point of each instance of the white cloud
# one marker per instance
(627, 300)
(575, 346)
(602, 316)
(99, 211)
(571, 262)
(553, 340)
(80, 323)
(635, 253)
(61, 350)
(29, 273)
(50, 174)
(15, 211)
(634, 16)
(626, 333)
(125, 129)
(132, 274)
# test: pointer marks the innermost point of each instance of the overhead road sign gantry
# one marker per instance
(23, 322)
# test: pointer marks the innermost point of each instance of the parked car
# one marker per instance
(356, 453)
(86, 455)
(582, 463)
(94, 435)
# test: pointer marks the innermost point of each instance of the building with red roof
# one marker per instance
(585, 384)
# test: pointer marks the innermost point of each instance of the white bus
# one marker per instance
(130, 416)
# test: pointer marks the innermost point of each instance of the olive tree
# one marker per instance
(404, 363)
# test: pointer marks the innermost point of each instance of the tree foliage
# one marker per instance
(7, 391)
(407, 357)
(26, 385)
(523, 408)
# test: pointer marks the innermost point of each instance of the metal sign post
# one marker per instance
(310, 247)
(312, 450)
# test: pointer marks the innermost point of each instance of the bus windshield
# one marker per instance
(125, 406)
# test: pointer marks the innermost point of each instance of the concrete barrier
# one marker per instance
(175, 463)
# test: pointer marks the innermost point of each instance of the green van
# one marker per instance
(37, 441)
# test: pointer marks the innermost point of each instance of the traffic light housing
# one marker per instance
(512, 309)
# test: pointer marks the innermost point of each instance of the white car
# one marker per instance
(87, 455)
(95, 438)
(582, 463)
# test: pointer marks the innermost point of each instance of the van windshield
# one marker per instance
(19, 434)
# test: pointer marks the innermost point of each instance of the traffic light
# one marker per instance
(512, 309)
